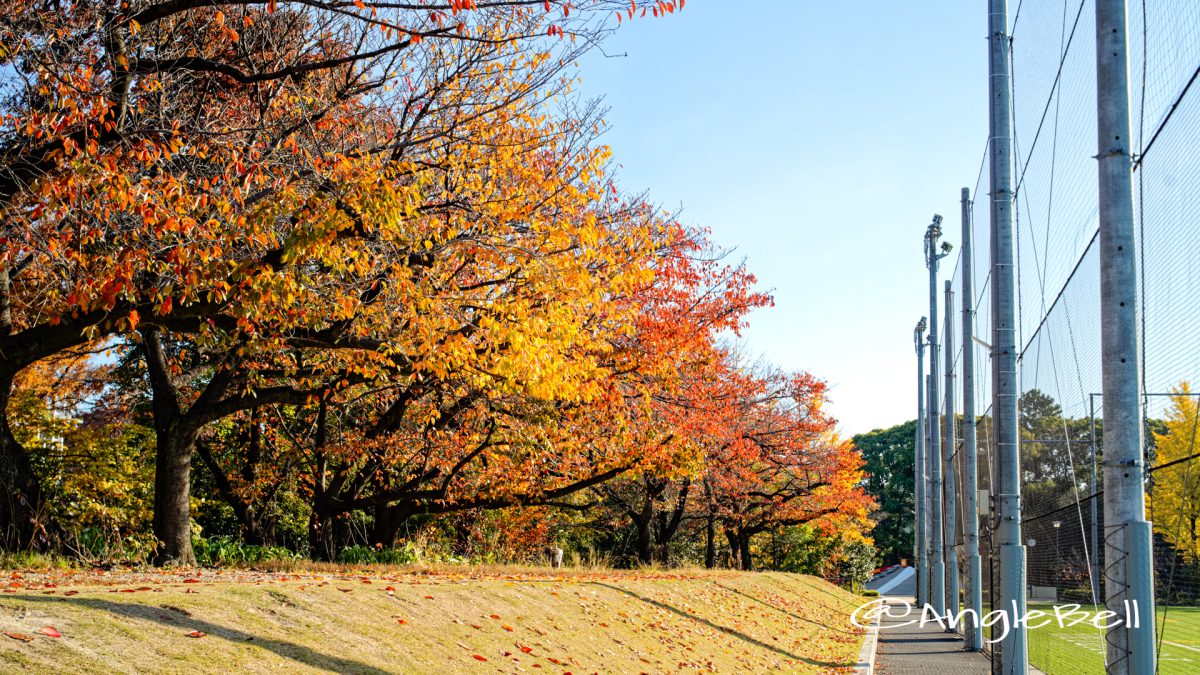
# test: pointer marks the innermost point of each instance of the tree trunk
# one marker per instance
(668, 523)
(253, 531)
(175, 443)
(744, 549)
(710, 544)
(734, 549)
(320, 532)
(23, 518)
(462, 533)
(388, 518)
(25, 523)
(172, 496)
(645, 545)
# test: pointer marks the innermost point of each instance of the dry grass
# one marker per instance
(429, 620)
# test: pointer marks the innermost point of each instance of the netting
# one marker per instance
(1053, 61)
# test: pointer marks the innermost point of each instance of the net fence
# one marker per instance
(1053, 64)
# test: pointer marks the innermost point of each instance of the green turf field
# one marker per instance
(1079, 649)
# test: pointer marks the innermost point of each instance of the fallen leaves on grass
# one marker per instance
(50, 631)
(20, 636)
(197, 634)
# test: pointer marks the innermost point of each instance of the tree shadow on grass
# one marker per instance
(784, 611)
(728, 631)
(184, 623)
(818, 588)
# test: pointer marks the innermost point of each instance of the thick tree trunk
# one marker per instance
(668, 522)
(739, 548)
(321, 545)
(172, 496)
(744, 551)
(23, 516)
(734, 549)
(175, 443)
(388, 519)
(645, 544)
(25, 523)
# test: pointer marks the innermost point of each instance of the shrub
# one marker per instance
(217, 551)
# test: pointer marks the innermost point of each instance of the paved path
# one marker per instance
(897, 581)
(913, 650)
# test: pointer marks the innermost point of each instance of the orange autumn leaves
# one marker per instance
(391, 237)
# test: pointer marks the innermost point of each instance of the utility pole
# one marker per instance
(921, 541)
(1129, 571)
(1012, 651)
(951, 502)
(974, 600)
(937, 581)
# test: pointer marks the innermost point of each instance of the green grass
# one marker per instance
(1079, 649)
(434, 622)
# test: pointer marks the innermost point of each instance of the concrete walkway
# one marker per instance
(911, 649)
(928, 650)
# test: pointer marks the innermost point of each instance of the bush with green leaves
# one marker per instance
(224, 550)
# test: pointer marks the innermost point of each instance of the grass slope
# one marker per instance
(481, 621)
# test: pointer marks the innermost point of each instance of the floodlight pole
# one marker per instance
(928, 494)
(921, 516)
(972, 629)
(1012, 655)
(1128, 546)
(937, 582)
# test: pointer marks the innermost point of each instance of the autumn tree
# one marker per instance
(92, 456)
(782, 465)
(185, 166)
(1175, 494)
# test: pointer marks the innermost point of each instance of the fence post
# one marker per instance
(1095, 489)
(974, 598)
(937, 582)
(1012, 650)
(920, 539)
(1127, 538)
(951, 500)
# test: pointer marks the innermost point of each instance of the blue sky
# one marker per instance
(817, 138)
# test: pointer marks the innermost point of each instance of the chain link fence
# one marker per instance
(1058, 275)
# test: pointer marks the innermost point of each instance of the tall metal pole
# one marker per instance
(937, 590)
(1095, 486)
(920, 531)
(948, 448)
(1129, 585)
(928, 497)
(974, 599)
(1012, 650)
